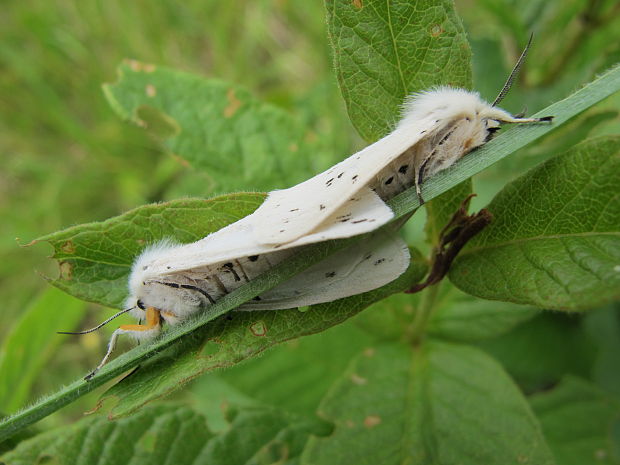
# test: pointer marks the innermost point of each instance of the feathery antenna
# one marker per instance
(514, 73)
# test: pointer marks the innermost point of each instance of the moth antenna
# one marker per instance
(98, 326)
(513, 74)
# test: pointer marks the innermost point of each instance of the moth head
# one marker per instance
(142, 271)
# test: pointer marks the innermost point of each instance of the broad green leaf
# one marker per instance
(555, 240)
(215, 126)
(224, 343)
(170, 434)
(295, 376)
(32, 342)
(385, 51)
(389, 319)
(603, 328)
(578, 420)
(539, 352)
(461, 317)
(95, 258)
(438, 403)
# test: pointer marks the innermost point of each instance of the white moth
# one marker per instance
(438, 127)
(169, 282)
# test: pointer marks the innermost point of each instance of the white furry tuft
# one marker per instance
(443, 103)
(140, 268)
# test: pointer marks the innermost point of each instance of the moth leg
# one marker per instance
(149, 329)
(517, 119)
(418, 186)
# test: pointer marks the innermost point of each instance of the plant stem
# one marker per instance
(416, 330)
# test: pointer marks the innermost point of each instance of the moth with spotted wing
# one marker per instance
(438, 128)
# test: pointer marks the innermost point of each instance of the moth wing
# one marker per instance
(358, 215)
(355, 270)
(362, 214)
(292, 213)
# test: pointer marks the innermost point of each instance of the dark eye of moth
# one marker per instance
(140, 305)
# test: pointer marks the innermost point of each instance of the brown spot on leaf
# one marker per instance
(233, 103)
(359, 4)
(436, 30)
(293, 147)
(357, 379)
(150, 90)
(140, 242)
(66, 271)
(181, 160)
(138, 66)
(350, 423)
(369, 352)
(310, 137)
(371, 421)
(258, 328)
(68, 247)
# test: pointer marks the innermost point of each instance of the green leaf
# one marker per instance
(555, 240)
(433, 404)
(224, 343)
(32, 342)
(603, 328)
(95, 258)
(539, 352)
(465, 318)
(384, 51)
(296, 375)
(578, 420)
(171, 434)
(215, 126)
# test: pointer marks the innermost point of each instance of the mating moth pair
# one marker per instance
(170, 282)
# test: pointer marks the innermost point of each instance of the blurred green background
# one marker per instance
(68, 159)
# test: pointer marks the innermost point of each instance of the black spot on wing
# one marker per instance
(230, 268)
(403, 169)
(330, 274)
(378, 262)
(253, 258)
(389, 180)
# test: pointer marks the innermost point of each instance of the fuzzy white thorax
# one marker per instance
(446, 104)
